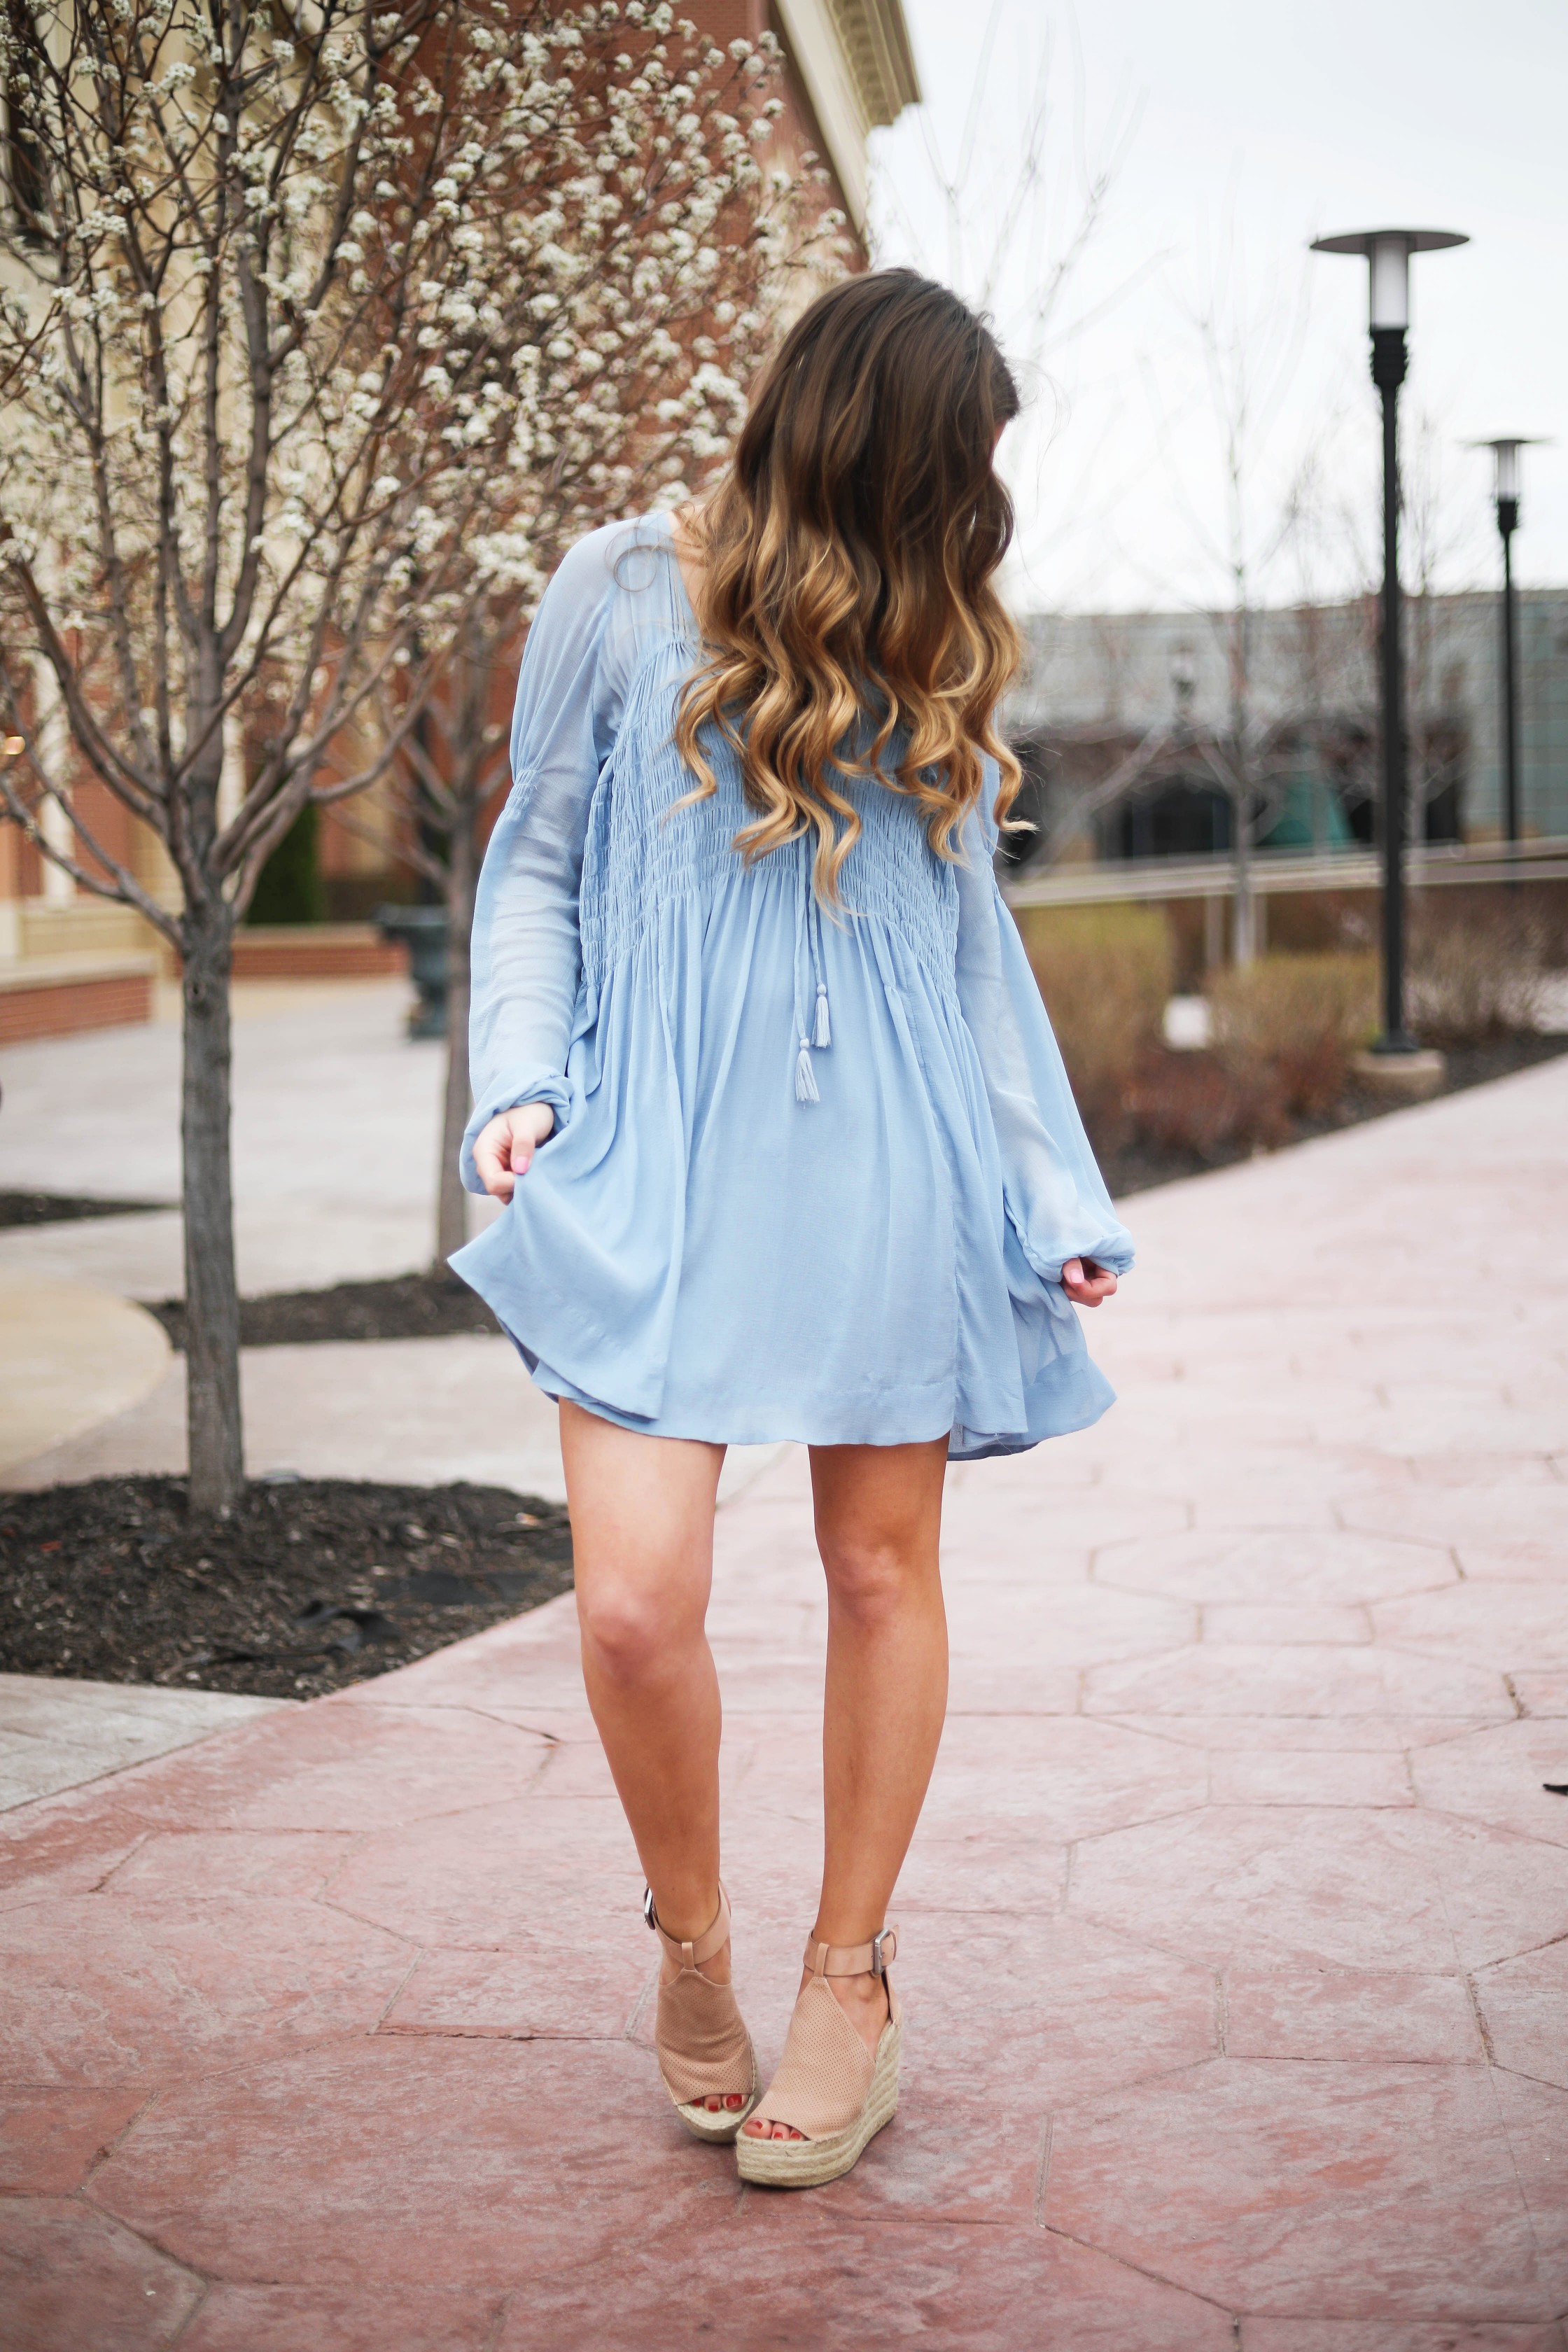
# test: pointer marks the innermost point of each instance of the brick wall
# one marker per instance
(58, 1008)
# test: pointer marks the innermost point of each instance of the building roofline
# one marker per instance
(1195, 615)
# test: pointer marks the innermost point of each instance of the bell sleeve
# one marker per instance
(1053, 1192)
(526, 957)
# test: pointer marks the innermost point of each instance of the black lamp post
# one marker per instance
(1387, 252)
(1506, 494)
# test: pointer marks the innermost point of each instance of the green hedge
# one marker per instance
(290, 888)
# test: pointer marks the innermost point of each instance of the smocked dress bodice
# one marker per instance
(815, 1169)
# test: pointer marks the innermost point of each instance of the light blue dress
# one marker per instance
(813, 1173)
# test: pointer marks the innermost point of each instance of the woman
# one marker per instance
(762, 1069)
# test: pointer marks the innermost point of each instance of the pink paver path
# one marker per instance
(1236, 1934)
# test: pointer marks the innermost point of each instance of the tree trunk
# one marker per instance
(451, 1199)
(212, 1294)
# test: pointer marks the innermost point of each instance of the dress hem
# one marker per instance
(964, 1443)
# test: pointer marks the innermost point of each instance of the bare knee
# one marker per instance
(633, 1633)
(870, 1581)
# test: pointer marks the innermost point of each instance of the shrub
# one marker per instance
(1288, 1026)
(1190, 1102)
(1105, 974)
(1477, 970)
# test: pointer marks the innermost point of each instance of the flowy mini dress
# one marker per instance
(815, 1169)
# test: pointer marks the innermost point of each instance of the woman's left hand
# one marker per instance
(1086, 1284)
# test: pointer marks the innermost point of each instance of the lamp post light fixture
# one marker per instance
(1387, 253)
(1505, 491)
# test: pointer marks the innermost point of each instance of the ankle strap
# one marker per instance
(712, 1939)
(854, 1959)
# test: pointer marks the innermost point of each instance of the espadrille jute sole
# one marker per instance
(719, 2127)
(807, 2163)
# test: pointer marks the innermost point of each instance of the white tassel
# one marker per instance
(805, 1083)
(823, 1034)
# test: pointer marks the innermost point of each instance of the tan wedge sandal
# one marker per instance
(828, 2085)
(704, 2049)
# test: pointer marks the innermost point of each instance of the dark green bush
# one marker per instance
(290, 888)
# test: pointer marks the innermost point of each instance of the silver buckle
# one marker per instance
(879, 1965)
(649, 1915)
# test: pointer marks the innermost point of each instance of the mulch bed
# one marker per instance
(309, 1585)
(1138, 1166)
(65, 1208)
(404, 1306)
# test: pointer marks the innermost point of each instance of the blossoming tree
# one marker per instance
(307, 344)
(666, 242)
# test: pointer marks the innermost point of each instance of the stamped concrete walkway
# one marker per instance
(1236, 1934)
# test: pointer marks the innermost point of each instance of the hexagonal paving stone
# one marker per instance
(1311, 1681)
(71, 2279)
(1344, 1737)
(1050, 2011)
(1284, 1623)
(211, 1863)
(166, 1990)
(1496, 1624)
(66, 1847)
(1535, 2117)
(340, 1765)
(521, 1992)
(1007, 1872)
(51, 2133)
(979, 1682)
(1431, 1420)
(1373, 2017)
(451, 2164)
(1021, 1626)
(796, 2274)
(1400, 2336)
(1296, 1775)
(1499, 1775)
(1545, 1692)
(1508, 1528)
(1480, 1466)
(1070, 1776)
(1328, 1568)
(1015, 1537)
(536, 1874)
(1239, 1885)
(328, 2319)
(1281, 1492)
(1524, 2003)
(1281, 2189)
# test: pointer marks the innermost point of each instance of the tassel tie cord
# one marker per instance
(812, 1025)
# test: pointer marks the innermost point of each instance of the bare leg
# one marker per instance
(642, 1542)
(878, 1521)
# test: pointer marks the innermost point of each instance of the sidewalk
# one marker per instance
(1236, 1934)
(335, 1127)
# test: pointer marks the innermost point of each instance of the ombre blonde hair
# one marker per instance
(848, 556)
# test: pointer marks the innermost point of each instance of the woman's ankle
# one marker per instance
(715, 1967)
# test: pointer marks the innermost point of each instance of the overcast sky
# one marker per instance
(1234, 133)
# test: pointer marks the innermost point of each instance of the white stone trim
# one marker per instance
(854, 57)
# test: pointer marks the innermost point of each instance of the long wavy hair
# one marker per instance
(847, 600)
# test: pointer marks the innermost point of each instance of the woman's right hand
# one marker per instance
(506, 1147)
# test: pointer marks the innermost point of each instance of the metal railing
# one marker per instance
(1280, 872)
